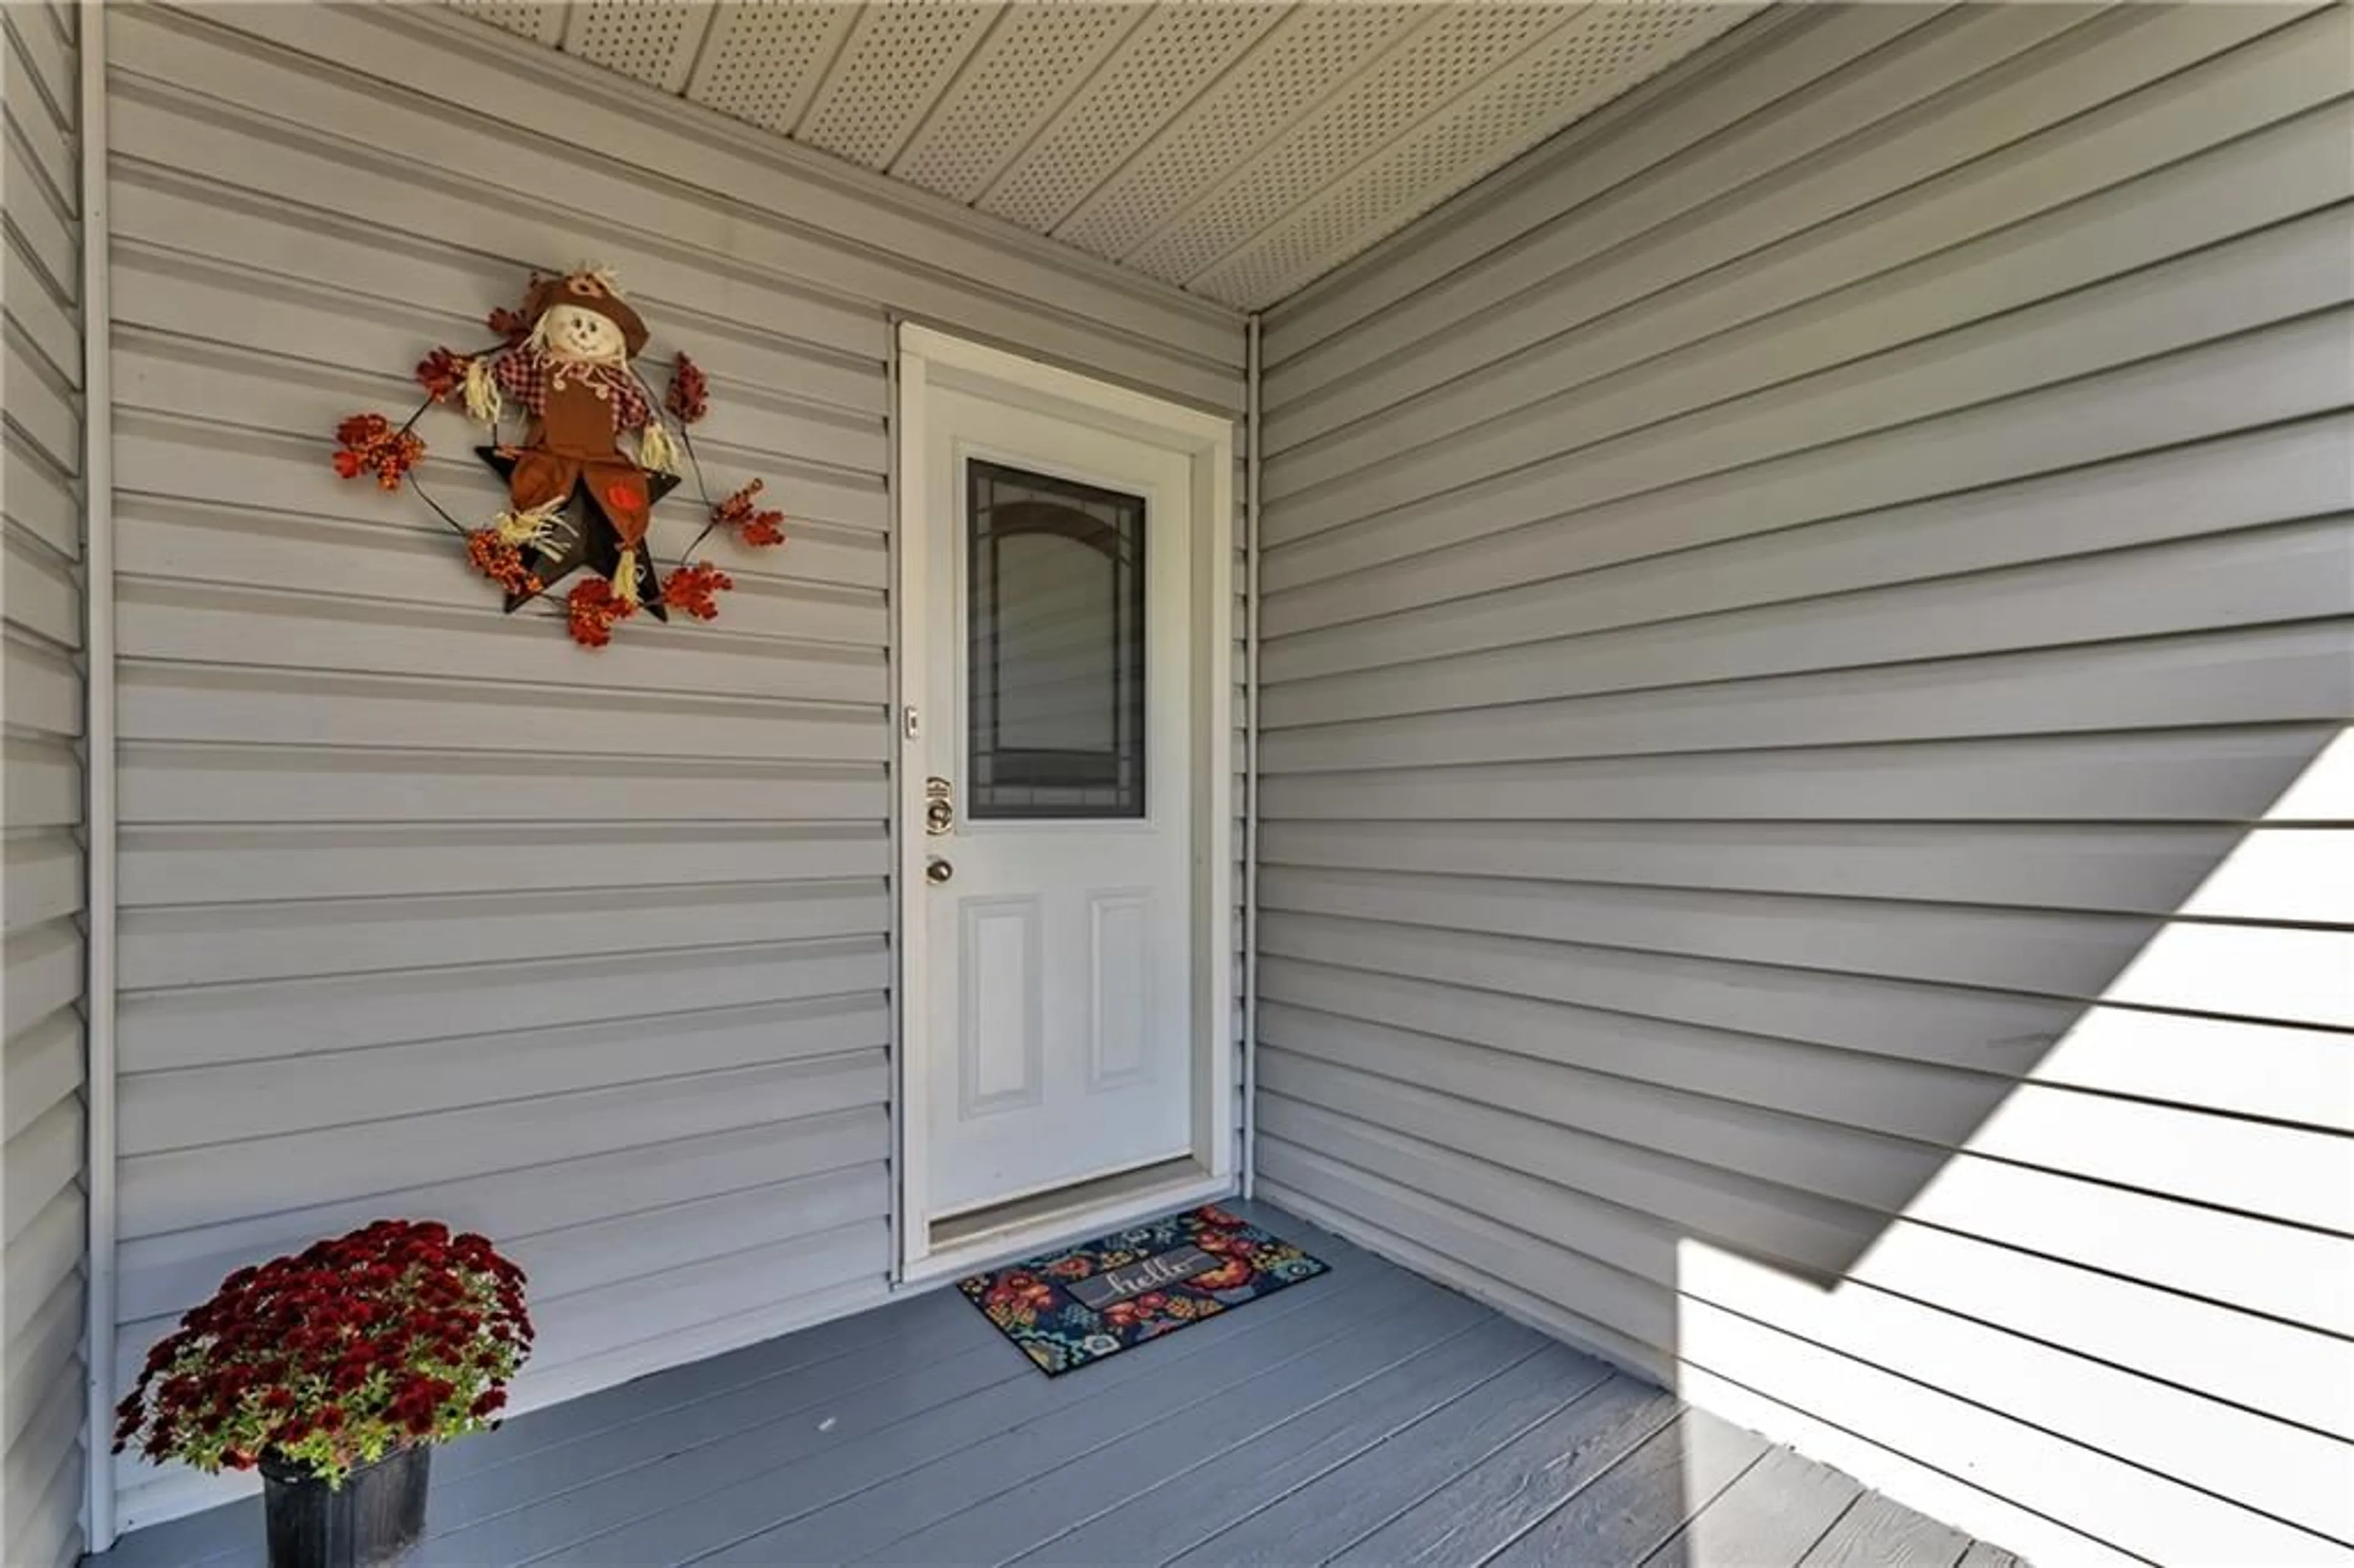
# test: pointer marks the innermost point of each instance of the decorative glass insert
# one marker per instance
(1055, 612)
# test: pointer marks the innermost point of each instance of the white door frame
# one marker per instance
(928, 359)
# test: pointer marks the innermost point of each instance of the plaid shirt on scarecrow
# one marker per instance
(528, 374)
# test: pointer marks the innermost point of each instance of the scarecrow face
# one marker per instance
(575, 332)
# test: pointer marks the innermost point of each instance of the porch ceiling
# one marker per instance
(1236, 149)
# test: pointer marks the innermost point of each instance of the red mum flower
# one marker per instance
(441, 373)
(688, 396)
(691, 587)
(382, 1336)
(752, 525)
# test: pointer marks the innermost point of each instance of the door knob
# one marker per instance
(937, 871)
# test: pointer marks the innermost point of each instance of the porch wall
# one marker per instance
(41, 1106)
(1771, 604)
(424, 909)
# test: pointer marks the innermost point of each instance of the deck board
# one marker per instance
(961, 1477)
(749, 1418)
(1060, 1434)
(1774, 1513)
(1486, 1508)
(1633, 1509)
(1023, 1517)
(1176, 1515)
(1334, 1509)
(1226, 1352)
(1880, 1534)
(1368, 1416)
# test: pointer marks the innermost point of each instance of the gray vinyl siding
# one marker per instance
(425, 910)
(1779, 608)
(41, 792)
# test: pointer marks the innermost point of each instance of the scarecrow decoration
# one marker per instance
(596, 454)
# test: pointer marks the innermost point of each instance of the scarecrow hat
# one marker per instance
(592, 290)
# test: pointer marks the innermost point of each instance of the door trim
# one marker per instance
(928, 358)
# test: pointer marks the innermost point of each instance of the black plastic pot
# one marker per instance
(371, 1519)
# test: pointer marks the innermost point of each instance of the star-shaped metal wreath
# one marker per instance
(581, 535)
(527, 554)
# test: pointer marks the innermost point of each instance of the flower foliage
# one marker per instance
(498, 559)
(591, 608)
(370, 443)
(742, 513)
(396, 1334)
(514, 325)
(442, 373)
(692, 589)
(688, 398)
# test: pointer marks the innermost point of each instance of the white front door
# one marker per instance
(1056, 816)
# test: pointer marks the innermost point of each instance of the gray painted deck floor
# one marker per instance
(1367, 1417)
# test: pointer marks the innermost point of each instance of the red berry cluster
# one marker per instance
(691, 589)
(501, 561)
(742, 513)
(396, 1334)
(591, 608)
(371, 444)
(688, 396)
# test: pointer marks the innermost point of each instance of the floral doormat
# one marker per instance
(1068, 1309)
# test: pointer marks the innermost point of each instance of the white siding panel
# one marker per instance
(43, 498)
(2284, 372)
(2147, 310)
(1811, 627)
(421, 901)
(41, 843)
(518, 1202)
(2158, 150)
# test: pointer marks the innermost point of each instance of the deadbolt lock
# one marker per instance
(939, 808)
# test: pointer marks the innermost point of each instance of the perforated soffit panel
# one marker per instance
(1236, 149)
